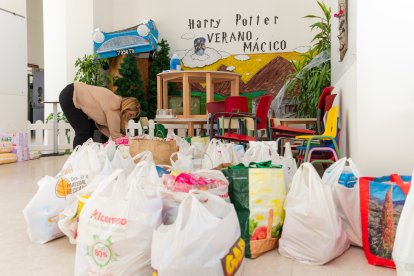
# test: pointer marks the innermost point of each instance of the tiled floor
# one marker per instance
(19, 256)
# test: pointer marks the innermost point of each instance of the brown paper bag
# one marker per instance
(160, 149)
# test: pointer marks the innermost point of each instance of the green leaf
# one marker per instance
(252, 225)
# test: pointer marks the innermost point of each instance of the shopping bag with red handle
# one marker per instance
(382, 200)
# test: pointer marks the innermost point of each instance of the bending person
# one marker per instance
(85, 106)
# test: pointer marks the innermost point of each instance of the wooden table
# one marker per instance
(188, 77)
(294, 121)
(190, 122)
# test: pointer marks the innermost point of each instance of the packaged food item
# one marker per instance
(347, 178)
(6, 158)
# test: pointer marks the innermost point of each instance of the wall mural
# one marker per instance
(256, 40)
(262, 63)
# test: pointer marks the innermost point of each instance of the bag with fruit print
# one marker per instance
(117, 222)
(313, 232)
(382, 200)
(258, 194)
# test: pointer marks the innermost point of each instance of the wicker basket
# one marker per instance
(259, 247)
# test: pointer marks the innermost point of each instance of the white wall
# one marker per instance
(376, 87)
(344, 80)
(103, 15)
(16, 6)
(13, 102)
(125, 13)
(385, 93)
(350, 57)
(346, 88)
(35, 32)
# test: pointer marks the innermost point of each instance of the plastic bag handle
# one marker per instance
(176, 153)
(354, 168)
(147, 159)
(400, 183)
(171, 160)
(145, 155)
(187, 203)
(107, 182)
(288, 151)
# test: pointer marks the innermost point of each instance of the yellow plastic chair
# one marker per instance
(321, 142)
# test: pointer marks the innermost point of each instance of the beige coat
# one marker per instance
(101, 105)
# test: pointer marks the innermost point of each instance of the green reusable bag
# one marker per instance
(258, 195)
(160, 131)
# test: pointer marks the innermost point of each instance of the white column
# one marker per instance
(13, 71)
(68, 27)
(55, 49)
(79, 29)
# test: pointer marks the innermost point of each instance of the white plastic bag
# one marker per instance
(217, 154)
(402, 253)
(199, 149)
(122, 160)
(313, 231)
(346, 199)
(262, 152)
(235, 152)
(172, 197)
(110, 150)
(69, 217)
(117, 222)
(204, 240)
(267, 151)
(184, 162)
(239, 149)
(68, 221)
(56, 193)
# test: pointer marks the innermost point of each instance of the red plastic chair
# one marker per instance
(236, 104)
(260, 122)
(215, 107)
(286, 131)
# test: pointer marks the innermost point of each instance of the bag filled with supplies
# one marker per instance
(313, 232)
(204, 240)
(258, 194)
(117, 223)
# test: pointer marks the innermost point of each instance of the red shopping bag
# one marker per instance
(381, 200)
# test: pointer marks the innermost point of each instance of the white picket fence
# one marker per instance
(40, 135)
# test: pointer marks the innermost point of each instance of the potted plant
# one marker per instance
(309, 79)
(90, 70)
